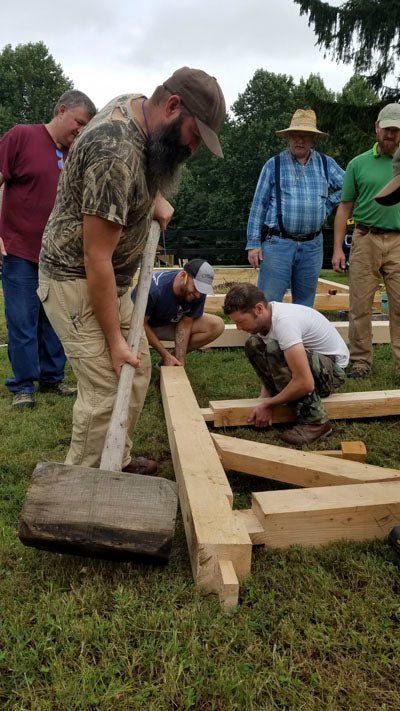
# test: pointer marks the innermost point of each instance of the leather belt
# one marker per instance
(364, 229)
(298, 238)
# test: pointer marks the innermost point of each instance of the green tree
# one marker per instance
(363, 32)
(30, 84)
(217, 194)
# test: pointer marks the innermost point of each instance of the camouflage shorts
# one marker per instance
(270, 365)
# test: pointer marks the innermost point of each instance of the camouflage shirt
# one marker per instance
(103, 176)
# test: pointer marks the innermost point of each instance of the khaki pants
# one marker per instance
(372, 257)
(69, 311)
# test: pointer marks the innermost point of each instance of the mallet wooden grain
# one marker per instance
(103, 512)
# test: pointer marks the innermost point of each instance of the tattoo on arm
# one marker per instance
(180, 342)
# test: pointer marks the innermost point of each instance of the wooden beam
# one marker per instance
(325, 285)
(212, 531)
(222, 275)
(318, 516)
(379, 403)
(232, 338)
(356, 451)
(293, 466)
(227, 275)
(323, 302)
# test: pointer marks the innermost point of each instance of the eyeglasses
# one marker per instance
(59, 155)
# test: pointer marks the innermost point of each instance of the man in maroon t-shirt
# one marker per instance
(31, 157)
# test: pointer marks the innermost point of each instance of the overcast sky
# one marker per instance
(108, 48)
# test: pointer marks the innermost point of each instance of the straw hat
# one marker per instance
(390, 194)
(302, 120)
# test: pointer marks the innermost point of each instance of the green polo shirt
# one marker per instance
(365, 176)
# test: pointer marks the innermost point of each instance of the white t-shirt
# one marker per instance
(293, 323)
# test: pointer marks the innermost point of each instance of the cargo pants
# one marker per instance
(70, 312)
(269, 362)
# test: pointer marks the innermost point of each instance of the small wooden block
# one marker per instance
(355, 451)
(96, 513)
(229, 585)
(319, 516)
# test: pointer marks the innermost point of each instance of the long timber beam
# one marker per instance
(379, 403)
(318, 516)
(322, 302)
(295, 467)
(219, 545)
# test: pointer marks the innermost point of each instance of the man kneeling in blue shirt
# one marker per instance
(175, 311)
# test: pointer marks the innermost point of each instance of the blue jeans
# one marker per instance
(287, 263)
(34, 350)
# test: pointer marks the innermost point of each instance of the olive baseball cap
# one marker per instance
(201, 95)
(202, 274)
(389, 116)
(390, 194)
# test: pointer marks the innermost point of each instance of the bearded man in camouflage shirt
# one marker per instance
(112, 186)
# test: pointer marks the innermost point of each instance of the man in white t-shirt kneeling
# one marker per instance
(297, 354)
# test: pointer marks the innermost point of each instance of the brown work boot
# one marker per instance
(141, 465)
(305, 434)
(358, 372)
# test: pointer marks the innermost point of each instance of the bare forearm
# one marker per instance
(343, 213)
(182, 336)
(103, 296)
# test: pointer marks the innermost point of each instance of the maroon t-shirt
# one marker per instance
(29, 163)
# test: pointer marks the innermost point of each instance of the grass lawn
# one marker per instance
(316, 630)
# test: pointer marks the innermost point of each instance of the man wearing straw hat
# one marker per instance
(296, 191)
(375, 248)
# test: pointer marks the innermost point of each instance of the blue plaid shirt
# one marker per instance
(305, 204)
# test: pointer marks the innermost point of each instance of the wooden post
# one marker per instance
(379, 403)
(213, 532)
(294, 466)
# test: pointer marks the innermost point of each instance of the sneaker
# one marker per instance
(59, 388)
(21, 400)
(358, 373)
(305, 434)
(141, 465)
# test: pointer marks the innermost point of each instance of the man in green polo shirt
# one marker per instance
(375, 249)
